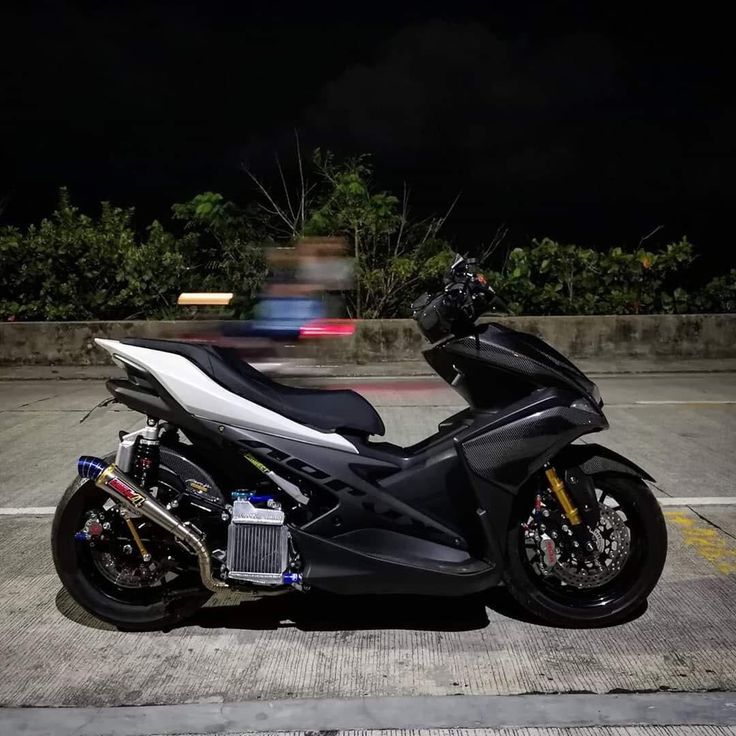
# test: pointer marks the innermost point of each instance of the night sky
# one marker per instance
(588, 122)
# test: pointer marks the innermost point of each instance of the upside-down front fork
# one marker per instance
(569, 508)
(560, 492)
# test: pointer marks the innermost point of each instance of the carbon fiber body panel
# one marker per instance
(522, 440)
(497, 366)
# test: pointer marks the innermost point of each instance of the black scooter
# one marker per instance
(239, 483)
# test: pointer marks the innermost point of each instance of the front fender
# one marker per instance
(593, 459)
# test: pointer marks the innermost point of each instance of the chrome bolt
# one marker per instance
(174, 503)
(127, 550)
(225, 516)
(106, 526)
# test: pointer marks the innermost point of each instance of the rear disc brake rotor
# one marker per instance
(127, 573)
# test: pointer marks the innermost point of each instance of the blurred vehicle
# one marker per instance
(301, 302)
(279, 339)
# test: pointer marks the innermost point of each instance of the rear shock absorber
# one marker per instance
(147, 455)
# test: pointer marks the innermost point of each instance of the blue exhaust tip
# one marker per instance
(90, 467)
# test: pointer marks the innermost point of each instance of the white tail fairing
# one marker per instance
(206, 399)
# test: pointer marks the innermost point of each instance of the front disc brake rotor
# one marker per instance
(613, 543)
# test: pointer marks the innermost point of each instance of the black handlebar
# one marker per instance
(455, 309)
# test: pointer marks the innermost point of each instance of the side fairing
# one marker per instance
(517, 443)
(357, 500)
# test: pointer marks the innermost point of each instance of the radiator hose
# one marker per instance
(122, 488)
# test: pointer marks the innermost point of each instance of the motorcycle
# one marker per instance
(239, 483)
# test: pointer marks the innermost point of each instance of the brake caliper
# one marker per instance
(92, 530)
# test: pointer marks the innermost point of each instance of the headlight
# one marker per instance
(596, 394)
(584, 405)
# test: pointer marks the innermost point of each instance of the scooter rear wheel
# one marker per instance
(92, 579)
(634, 536)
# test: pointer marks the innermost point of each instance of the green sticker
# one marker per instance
(258, 464)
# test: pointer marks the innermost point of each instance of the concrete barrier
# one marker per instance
(600, 337)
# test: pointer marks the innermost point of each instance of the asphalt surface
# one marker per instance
(680, 427)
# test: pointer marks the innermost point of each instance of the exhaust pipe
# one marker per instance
(122, 488)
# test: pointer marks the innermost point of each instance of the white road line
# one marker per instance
(28, 511)
(663, 501)
(698, 501)
(693, 402)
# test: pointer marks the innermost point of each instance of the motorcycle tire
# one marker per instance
(619, 599)
(159, 609)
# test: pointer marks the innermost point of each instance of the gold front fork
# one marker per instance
(558, 488)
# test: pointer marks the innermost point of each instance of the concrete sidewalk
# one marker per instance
(544, 715)
(320, 646)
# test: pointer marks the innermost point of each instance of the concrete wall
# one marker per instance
(72, 343)
(600, 337)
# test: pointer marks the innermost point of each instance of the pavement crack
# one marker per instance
(36, 401)
(713, 524)
(661, 490)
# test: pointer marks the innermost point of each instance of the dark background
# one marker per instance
(590, 123)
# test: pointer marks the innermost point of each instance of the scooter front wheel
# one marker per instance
(551, 578)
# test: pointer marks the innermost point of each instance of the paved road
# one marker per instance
(682, 428)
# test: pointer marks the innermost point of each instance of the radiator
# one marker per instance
(257, 545)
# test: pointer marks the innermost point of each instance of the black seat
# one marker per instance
(333, 411)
